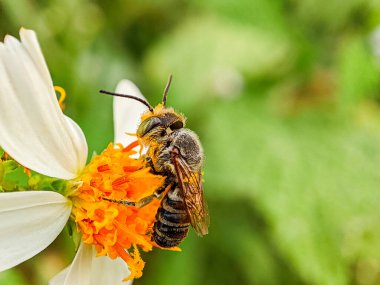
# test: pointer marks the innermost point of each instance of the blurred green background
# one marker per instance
(285, 98)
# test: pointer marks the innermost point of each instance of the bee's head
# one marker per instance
(156, 122)
(159, 123)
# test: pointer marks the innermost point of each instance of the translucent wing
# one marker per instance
(190, 183)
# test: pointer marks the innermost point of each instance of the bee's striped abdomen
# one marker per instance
(172, 221)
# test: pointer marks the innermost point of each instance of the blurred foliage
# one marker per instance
(15, 177)
(285, 97)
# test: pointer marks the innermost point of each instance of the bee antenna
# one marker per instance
(128, 96)
(167, 89)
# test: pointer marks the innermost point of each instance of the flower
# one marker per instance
(35, 132)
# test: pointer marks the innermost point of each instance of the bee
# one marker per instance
(174, 152)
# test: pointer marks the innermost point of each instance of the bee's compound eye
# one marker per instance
(147, 125)
(176, 125)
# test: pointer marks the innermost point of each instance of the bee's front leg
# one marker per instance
(149, 163)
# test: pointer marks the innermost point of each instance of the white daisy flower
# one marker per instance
(35, 132)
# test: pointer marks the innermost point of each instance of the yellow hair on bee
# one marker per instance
(160, 109)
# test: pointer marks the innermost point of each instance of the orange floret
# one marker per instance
(111, 227)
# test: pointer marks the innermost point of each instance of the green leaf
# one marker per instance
(310, 175)
(2, 172)
(8, 185)
(359, 78)
(10, 165)
(40, 182)
(59, 185)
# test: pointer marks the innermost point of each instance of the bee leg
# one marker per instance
(168, 181)
(156, 195)
(149, 163)
(146, 200)
(141, 203)
(123, 202)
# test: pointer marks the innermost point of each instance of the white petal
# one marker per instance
(60, 278)
(88, 269)
(79, 140)
(30, 221)
(79, 272)
(127, 112)
(107, 271)
(33, 129)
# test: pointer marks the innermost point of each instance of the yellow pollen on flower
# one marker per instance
(62, 96)
(111, 227)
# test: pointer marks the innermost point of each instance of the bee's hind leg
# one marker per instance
(156, 195)
(140, 203)
(146, 200)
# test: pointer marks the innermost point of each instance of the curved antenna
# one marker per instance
(167, 89)
(128, 96)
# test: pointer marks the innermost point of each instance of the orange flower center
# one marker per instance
(111, 227)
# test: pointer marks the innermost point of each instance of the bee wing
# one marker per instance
(190, 183)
